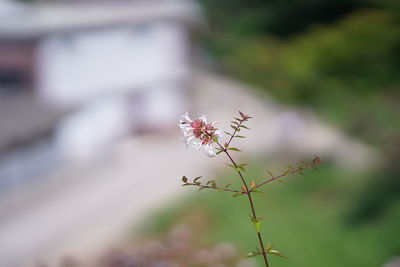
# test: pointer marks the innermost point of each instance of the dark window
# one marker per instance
(12, 80)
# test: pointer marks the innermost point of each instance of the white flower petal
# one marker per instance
(203, 118)
(210, 151)
(186, 117)
(188, 139)
(182, 125)
(196, 145)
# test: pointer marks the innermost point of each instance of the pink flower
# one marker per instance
(199, 134)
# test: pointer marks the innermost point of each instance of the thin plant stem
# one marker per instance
(253, 210)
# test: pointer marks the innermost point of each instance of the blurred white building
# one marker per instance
(106, 68)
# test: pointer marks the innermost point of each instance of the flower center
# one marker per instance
(204, 132)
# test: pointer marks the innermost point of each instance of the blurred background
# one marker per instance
(91, 158)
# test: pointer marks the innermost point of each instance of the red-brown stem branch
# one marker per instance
(216, 188)
(310, 166)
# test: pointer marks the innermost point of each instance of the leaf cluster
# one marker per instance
(237, 124)
(269, 249)
(210, 184)
(290, 170)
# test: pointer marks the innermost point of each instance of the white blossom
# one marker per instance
(199, 134)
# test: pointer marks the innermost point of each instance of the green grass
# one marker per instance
(306, 221)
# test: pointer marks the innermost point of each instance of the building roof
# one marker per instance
(27, 21)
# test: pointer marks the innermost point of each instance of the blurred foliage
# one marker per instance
(341, 58)
(381, 194)
(280, 18)
(348, 70)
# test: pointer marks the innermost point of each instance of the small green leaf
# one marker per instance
(230, 165)
(251, 254)
(237, 194)
(219, 152)
(243, 126)
(214, 185)
(235, 128)
(228, 185)
(275, 252)
(270, 173)
(209, 182)
(240, 169)
(291, 167)
(228, 133)
(257, 225)
(240, 136)
(201, 188)
(234, 149)
(270, 250)
(197, 178)
(184, 179)
(258, 192)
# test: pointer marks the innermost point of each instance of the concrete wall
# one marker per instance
(75, 67)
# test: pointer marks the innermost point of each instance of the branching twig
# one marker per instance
(316, 162)
(215, 188)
